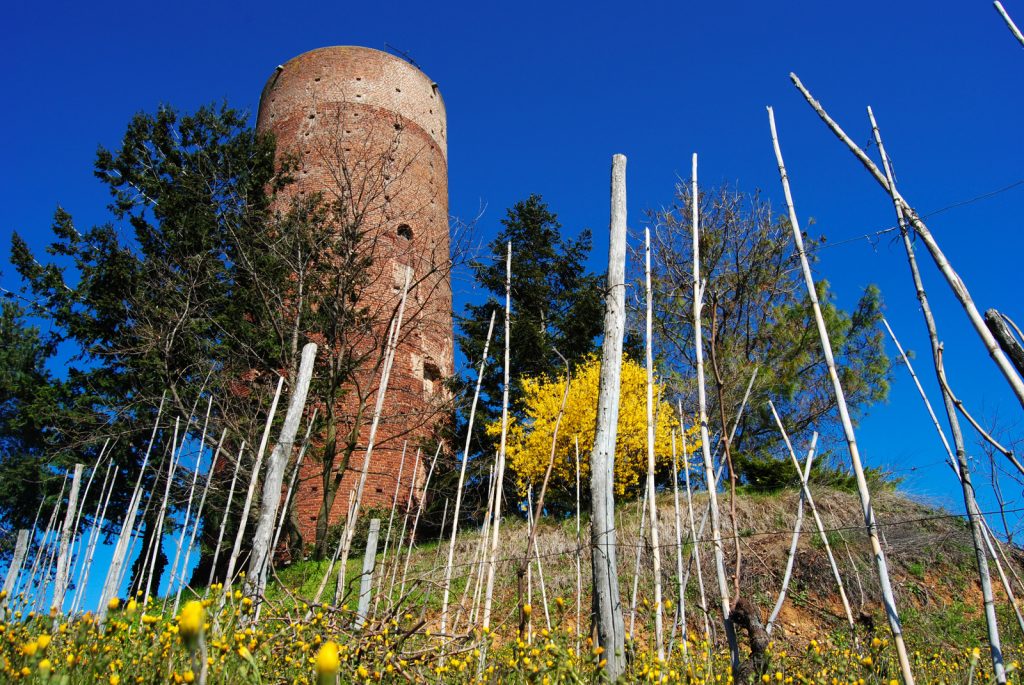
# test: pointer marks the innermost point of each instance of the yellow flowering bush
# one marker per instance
(529, 441)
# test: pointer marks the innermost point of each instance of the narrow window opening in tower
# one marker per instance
(404, 231)
(431, 372)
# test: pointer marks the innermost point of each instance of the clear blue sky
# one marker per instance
(540, 95)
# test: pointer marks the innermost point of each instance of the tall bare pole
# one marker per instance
(273, 481)
(113, 578)
(198, 519)
(956, 283)
(659, 629)
(1009, 22)
(462, 478)
(87, 555)
(579, 552)
(382, 390)
(60, 585)
(502, 445)
(224, 516)
(796, 537)
(416, 521)
(607, 602)
(705, 438)
(961, 468)
(254, 478)
(405, 524)
(844, 414)
(679, 545)
(188, 506)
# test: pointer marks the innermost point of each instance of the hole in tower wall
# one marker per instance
(431, 372)
(404, 231)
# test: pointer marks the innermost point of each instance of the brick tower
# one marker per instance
(368, 130)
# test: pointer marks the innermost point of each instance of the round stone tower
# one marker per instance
(367, 131)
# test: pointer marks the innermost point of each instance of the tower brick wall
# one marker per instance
(368, 130)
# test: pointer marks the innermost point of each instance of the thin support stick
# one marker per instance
(198, 519)
(960, 465)
(1009, 22)
(502, 445)
(382, 391)
(888, 598)
(679, 547)
(953, 279)
(652, 502)
(796, 537)
(709, 469)
(462, 479)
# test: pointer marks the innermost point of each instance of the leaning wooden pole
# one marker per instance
(962, 469)
(502, 445)
(416, 521)
(94, 531)
(382, 391)
(113, 579)
(1009, 22)
(20, 549)
(652, 502)
(705, 439)
(607, 602)
(198, 520)
(679, 545)
(791, 558)
(296, 470)
(822, 533)
(870, 524)
(956, 284)
(224, 516)
(254, 478)
(462, 478)
(985, 528)
(60, 585)
(273, 481)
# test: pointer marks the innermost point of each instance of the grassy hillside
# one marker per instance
(928, 550)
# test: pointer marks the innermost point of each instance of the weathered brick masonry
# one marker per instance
(372, 124)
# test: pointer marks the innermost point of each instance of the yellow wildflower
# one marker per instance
(190, 622)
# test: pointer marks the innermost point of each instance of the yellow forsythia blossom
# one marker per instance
(529, 441)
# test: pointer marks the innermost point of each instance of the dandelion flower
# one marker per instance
(190, 622)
